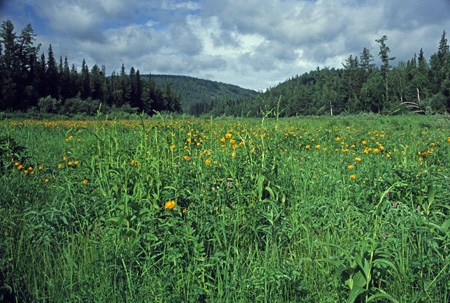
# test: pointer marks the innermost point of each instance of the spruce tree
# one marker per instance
(385, 65)
(52, 75)
(10, 66)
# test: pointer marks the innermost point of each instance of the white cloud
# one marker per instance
(251, 43)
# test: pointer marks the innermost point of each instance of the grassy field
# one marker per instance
(339, 209)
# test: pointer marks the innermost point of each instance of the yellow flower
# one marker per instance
(337, 139)
(352, 177)
(172, 146)
(17, 164)
(186, 157)
(350, 166)
(307, 147)
(228, 135)
(133, 162)
(46, 180)
(318, 146)
(357, 159)
(364, 142)
(60, 165)
(70, 163)
(40, 168)
(207, 162)
(85, 181)
(170, 204)
(233, 154)
(376, 150)
(76, 162)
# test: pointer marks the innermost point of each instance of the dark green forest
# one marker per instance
(417, 85)
(35, 81)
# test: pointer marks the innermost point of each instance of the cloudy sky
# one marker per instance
(253, 43)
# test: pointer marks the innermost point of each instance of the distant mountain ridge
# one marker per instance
(193, 91)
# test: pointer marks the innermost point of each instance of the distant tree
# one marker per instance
(40, 77)
(10, 65)
(124, 86)
(96, 83)
(353, 81)
(366, 62)
(52, 74)
(443, 57)
(440, 76)
(371, 96)
(385, 65)
(85, 83)
(66, 89)
(74, 87)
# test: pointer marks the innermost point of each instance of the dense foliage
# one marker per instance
(31, 82)
(418, 85)
(332, 209)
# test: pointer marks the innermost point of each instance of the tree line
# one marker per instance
(37, 81)
(30, 80)
(417, 85)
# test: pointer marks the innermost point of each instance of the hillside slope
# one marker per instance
(193, 91)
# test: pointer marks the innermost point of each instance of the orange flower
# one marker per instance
(170, 204)
(376, 150)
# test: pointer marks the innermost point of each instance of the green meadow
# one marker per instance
(166, 209)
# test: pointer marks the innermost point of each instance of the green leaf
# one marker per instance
(381, 295)
(355, 293)
(431, 193)
(359, 280)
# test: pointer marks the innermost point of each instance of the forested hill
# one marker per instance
(199, 95)
(363, 84)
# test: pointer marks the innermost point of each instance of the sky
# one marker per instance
(255, 44)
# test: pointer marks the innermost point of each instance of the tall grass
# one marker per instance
(352, 209)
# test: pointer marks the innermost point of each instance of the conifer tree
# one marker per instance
(385, 65)
(9, 66)
(52, 74)
(85, 83)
